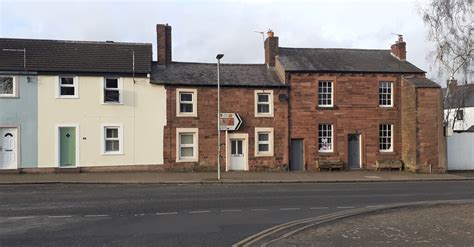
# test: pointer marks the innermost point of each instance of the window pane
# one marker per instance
(239, 147)
(325, 137)
(186, 96)
(111, 145)
(187, 138)
(6, 85)
(67, 90)
(233, 147)
(263, 148)
(185, 107)
(111, 83)
(67, 80)
(111, 95)
(111, 132)
(263, 136)
(263, 108)
(263, 98)
(187, 151)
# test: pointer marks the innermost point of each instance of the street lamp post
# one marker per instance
(218, 57)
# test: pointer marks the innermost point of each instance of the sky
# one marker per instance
(201, 29)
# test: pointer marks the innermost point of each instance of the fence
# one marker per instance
(461, 151)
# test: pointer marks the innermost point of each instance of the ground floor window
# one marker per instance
(386, 137)
(263, 141)
(112, 139)
(187, 145)
(325, 137)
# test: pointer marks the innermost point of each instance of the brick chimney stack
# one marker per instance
(271, 48)
(163, 33)
(399, 49)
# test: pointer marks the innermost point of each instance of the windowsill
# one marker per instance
(67, 97)
(387, 153)
(187, 160)
(326, 153)
(263, 115)
(112, 103)
(112, 153)
(9, 96)
(326, 107)
(186, 115)
(386, 106)
(264, 155)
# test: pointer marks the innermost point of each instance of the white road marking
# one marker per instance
(166, 213)
(316, 208)
(96, 215)
(288, 209)
(139, 215)
(199, 212)
(346, 207)
(59, 216)
(231, 210)
(21, 217)
(259, 209)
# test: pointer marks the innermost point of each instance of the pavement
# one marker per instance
(189, 214)
(229, 177)
(422, 225)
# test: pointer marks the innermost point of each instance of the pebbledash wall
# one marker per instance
(142, 116)
(21, 112)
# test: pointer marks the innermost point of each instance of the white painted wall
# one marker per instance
(461, 151)
(468, 119)
(143, 115)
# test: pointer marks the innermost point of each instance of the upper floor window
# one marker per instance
(112, 90)
(386, 94)
(386, 137)
(325, 94)
(460, 114)
(8, 87)
(186, 102)
(263, 103)
(325, 137)
(68, 87)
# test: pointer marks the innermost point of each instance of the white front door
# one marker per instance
(8, 148)
(237, 155)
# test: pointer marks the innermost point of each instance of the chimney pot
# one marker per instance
(399, 49)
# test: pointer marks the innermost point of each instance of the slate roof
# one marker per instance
(75, 56)
(205, 74)
(422, 82)
(343, 60)
(462, 97)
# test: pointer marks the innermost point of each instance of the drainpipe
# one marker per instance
(289, 123)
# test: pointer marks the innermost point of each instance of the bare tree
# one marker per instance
(451, 28)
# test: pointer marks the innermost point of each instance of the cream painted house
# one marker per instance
(95, 104)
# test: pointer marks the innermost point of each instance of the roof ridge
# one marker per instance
(319, 48)
(228, 64)
(78, 41)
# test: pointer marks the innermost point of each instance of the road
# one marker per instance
(186, 215)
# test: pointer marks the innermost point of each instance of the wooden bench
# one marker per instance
(388, 164)
(329, 164)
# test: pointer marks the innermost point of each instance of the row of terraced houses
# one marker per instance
(107, 106)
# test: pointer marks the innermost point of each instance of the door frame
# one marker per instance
(304, 153)
(18, 141)
(245, 138)
(57, 143)
(360, 149)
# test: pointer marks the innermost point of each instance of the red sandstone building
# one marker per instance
(302, 108)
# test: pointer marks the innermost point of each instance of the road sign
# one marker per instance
(230, 121)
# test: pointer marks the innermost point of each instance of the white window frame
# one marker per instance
(270, 103)
(332, 93)
(178, 102)
(75, 85)
(120, 90)
(391, 138)
(119, 126)
(391, 93)
(270, 142)
(332, 138)
(15, 87)
(195, 144)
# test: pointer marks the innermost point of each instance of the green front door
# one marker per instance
(67, 146)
